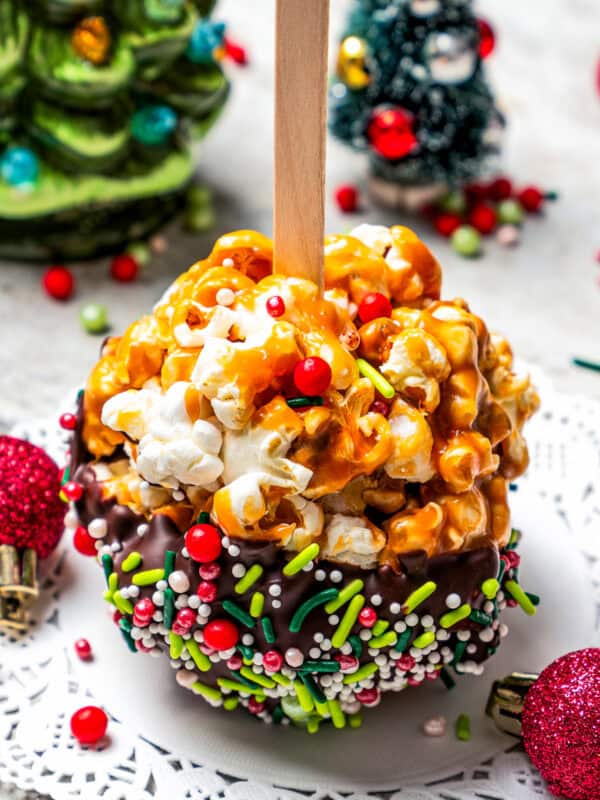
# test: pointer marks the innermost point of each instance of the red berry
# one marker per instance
(221, 634)
(367, 617)
(235, 52)
(531, 199)
(58, 282)
(83, 649)
(373, 306)
(186, 617)
(446, 224)
(272, 661)
(68, 422)
(500, 189)
(210, 571)
(487, 38)
(124, 268)
(346, 196)
(88, 724)
(312, 376)
(380, 407)
(203, 542)
(72, 490)
(275, 306)
(206, 591)
(483, 218)
(83, 542)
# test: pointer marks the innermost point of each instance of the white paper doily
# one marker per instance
(161, 745)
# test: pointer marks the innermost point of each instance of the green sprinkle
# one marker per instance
(170, 556)
(319, 666)
(132, 562)
(346, 594)
(278, 714)
(452, 617)
(200, 660)
(403, 641)
(348, 620)
(383, 386)
(238, 613)
(107, 564)
(418, 596)
(304, 610)
(176, 645)
(261, 680)
(125, 624)
(230, 703)
(257, 604)
(124, 605)
(515, 591)
(206, 691)
(364, 672)
(148, 577)
(355, 720)
(387, 640)
(312, 726)
(583, 362)
(447, 679)
(323, 709)
(303, 558)
(203, 518)
(459, 653)
(356, 645)
(424, 640)
(249, 579)
(316, 694)
(462, 728)
(113, 582)
(304, 696)
(304, 401)
(268, 631)
(534, 598)
(247, 652)
(515, 536)
(245, 681)
(501, 571)
(282, 680)
(66, 476)
(490, 588)
(337, 715)
(169, 608)
(129, 641)
(480, 617)
(236, 686)
(380, 626)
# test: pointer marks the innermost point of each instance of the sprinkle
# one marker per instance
(261, 680)
(519, 595)
(130, 643)
(125, 606)
(107, 564)
(249, 579)
(453, 600)
(364, 672)
(304, 401)
(450, 619)
(168, 608)
(247, 652)
(337, 715)
(230, 703)
(346, 594)
(480, 618)
(319, 666)
(323, 709)
(418, 596)
(278, 714)
(236, 686)
(459, 653)
(238, 613)
(268, 631)
(301, 560)
(125, 624)
(316, 694)
(379, 382)
(304, 696)
(316, 600)
(422, 641)
(312, 726)
(348, 620)
(435, 726)
(281, 679)
(462, 728)
(148, 577)
(203, 518)
(257, 604)
(403, 641)
(198, 657)
(490, 588)
(356, 645)
(534, 598)
(206, 691)
(132, 562)
(582, 362)
(176, 645)
(380, 626)
(387, 640)
(170, 556)
(447, 679)
(515, 536)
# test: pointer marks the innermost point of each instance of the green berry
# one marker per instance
(511, 212)
(466, 241)
(94, 318)
(454, 203)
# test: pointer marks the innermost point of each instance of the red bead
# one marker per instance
(391, 134)
(88, 724)
(368, 697)
(380, 407)
(68, 422)
(477, 191)
(210, 571)
(414, 680)
(117, 616)
(275, 306)
(514, 559)
(206, 591)
(367, 617)
(312, 376)
(347, 663)
(500, 189)
(143, 612)
(373, 306)
(235, 52)
(272, 661)
(186, 617)
(72, 490)
(254, 706)
(58, 282)
(432, 676)
(235, 662)
(124, 268)
(405, 663)
(483, 218)
(203, 542)
(346, 196)
(221, 634)
(446, 224)
(83, 542)
(487, 38)
(83, 649)
(531, 199)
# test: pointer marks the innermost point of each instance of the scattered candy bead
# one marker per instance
(83, 649)
(373, 306)
(179, 581)
(254, 706)
(531, 199)
(186, 617)
(466, 241)
(235, 662)
(275, 306)
(94, 318)
(72, 490)
(346, 197)
(159, 244)
(348, 664)
(511, 212)
(58, 283)
(272, 661)
(312, 376)
(203, 543)
(124, 268)
(88, 724)
(435, 726)
(368, 697)
(405, 662)
(294, 657)
(68, 422)
(84, 543)
(221, 634)
(508, 235)
(140, 252)
(500, 188)
(19, 166)
(210, 571)
(367, 617)
(206, 591)
(483, 218)
(446, 224)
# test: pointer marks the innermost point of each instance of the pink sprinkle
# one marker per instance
(142, 647)
(207, 650)
(432, 676)
(367, 617)
(514, 559)
(209, 572)
(414, 680)
(116, 616)
(235, 662)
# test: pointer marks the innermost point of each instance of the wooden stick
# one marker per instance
(300, 134)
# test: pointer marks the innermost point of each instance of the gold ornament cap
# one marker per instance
(506, 701)
(18, 586)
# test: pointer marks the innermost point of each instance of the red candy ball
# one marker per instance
(346, 196)
(312, 376)
(83, 649)
(31, 512)
(367, 617)
(203, 542)
(221, 634)
(143, 612)
(380, 407)
(206, 591)
(483, 218)
(391, 134)
(561, 725)
(210, 571)
(374, 305)
(275, 306)
(68, 422)
(531, 199)
(500, 189)
(83, 542)
(72, 490)
(88, 724)
(124, 268)
(446, 224)
(255, 706)
(487, 38)
(186, 617)
(272, 661)
(58, 283)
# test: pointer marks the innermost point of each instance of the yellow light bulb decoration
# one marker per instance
(352, 63)
(91, 40)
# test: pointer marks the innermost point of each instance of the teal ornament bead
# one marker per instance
(466, 241)
(206, 38)
(454, 203)
(153, 125)
(19, 165)
(510, 212)
(94, 318)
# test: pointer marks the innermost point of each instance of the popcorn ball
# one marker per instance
(301, 500)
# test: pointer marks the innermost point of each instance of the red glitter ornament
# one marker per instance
(446, 224)
(83, 649)
(275, 306)
(346, 197)
(487, 38)
(58, 283)
(531, 199)
(124, 268)
(221, 634)
(391, 134)
(31, 512)
(312, 376)
(88, 724)
(83, 542)
(483, 218)
(561, 725)
(373, 306)
(203, 542)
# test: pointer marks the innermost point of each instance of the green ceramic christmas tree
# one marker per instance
(100, 101)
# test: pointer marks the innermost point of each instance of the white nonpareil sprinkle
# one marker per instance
(225, 297)
(143, 529)
(238, 570)
(320, 575)
(412, 620)
(97, 528)
(453, 600)
(233, 550)
(275, 590)
(435, 726)
(276, 603)
(427, 621)
(376, 599)
(335, 576)
(395, 608)
(247, 639)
